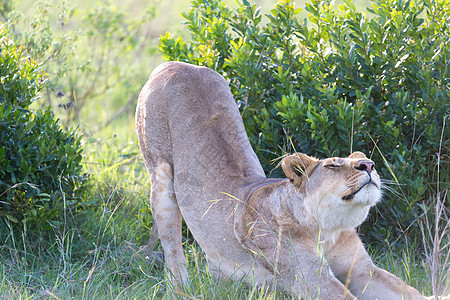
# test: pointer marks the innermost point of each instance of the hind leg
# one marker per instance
(154, 237)
(158, 257)
(168, 217)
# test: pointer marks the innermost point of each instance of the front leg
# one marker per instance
(308, 274)
(352, 265)
(293, 260)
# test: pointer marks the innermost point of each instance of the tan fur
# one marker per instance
(296, 233)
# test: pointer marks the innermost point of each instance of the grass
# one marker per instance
(111, 270)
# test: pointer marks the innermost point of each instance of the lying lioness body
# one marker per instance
(297, 232)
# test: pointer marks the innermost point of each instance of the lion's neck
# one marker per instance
(309, 219)
(327, 239)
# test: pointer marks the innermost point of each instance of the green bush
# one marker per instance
(335, 82)
(40, 163)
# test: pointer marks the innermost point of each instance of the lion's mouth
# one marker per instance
(350, 196)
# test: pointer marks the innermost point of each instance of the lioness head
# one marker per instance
(337, 192)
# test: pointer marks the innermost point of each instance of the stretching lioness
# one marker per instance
(297, 233)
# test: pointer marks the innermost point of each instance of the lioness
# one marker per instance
(298, 233)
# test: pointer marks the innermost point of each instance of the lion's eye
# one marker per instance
(332, 166)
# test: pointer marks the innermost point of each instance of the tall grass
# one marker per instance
(435, 228)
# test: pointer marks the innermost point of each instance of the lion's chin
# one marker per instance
(369, 195)
(335, 215)
(342, 217)
(368, 190)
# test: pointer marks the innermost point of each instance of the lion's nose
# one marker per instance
(367, 166)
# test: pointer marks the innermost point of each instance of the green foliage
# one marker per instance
(338, 83)
(17, 90)
(40, 163)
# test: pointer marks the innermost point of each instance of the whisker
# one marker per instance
(392, 191)
(343, 190)
(388, 188)
(391, 182)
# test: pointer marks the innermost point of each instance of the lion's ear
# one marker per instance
(297, 167)
(357, 154)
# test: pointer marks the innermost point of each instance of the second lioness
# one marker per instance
(296, 232)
